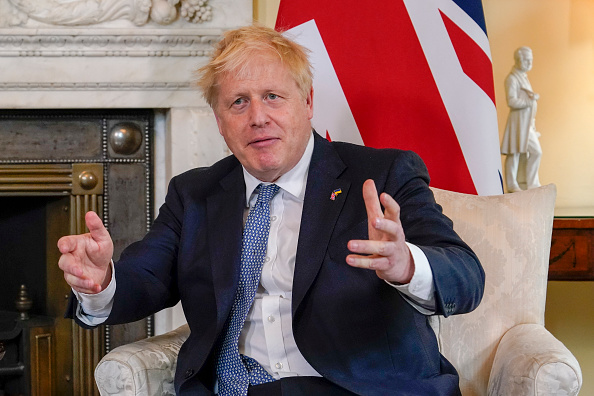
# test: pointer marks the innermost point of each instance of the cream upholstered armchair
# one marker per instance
(502, 348)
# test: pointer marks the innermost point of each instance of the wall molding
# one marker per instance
(102, 45)
(99, 86)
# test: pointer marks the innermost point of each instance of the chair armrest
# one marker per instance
(145, 367)
(531, 361)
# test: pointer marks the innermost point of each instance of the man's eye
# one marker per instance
(238, 102)
(272, 96)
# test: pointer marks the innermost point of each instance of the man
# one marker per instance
(322, 321)
(520, 132)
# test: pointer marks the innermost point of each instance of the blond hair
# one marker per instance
(237, 47)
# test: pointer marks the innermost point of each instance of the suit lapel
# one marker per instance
(320, 213)
(225, 209)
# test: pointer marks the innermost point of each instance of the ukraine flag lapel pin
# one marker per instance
(335, 193)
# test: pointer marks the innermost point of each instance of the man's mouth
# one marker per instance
(263, 142)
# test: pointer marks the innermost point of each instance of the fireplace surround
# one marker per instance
(140, 54)
(54, 167)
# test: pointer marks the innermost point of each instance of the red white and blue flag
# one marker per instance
(409, 74)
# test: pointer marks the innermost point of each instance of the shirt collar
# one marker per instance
(293, 181)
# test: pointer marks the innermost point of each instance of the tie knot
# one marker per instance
(266, 193)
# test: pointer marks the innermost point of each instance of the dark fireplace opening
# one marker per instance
(23, 246)
(33, 334)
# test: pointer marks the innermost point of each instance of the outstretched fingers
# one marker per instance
(373, 207)
(86, 258)
(386, 251)
(372, 203)
(392, 209)
(82, 285)
(75, 275)
(96, 228)
(67, 244)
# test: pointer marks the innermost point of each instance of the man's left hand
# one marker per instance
(386, 251)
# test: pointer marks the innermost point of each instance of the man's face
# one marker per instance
(264, 118)
(525, 61)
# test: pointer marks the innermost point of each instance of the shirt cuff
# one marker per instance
(420, 290)
(94, 309)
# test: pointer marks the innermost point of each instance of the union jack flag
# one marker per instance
(410, 74)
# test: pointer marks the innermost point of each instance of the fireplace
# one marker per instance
(54, 167)
(140, 54)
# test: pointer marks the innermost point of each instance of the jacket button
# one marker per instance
(189, 373)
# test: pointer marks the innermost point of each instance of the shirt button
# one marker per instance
(271, 319)
(266, 259)
(279, 365)
(272, 218)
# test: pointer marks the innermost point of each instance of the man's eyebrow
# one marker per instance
(234, 94)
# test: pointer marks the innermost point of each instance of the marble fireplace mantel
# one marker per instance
(79, 54)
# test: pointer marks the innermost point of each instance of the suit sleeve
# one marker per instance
(146, 273)
(458, 276)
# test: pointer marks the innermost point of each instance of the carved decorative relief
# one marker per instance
(85, 12)
(106, 45)
(196, 11)
(122, 49)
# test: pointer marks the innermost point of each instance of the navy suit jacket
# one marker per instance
(352, 327)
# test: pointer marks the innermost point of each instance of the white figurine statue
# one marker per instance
(520, 141)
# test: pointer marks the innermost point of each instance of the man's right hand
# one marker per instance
(86, 258)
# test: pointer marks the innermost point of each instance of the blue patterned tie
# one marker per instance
(236, 372)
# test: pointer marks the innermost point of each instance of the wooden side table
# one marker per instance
(572, 245)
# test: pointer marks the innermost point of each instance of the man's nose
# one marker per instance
(258, 114)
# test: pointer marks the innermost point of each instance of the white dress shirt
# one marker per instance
(267, 335)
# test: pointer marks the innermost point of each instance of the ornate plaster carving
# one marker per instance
(93, 12)
(100, 45)
(196, 11)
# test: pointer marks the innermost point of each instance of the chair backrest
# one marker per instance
(511, 235)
